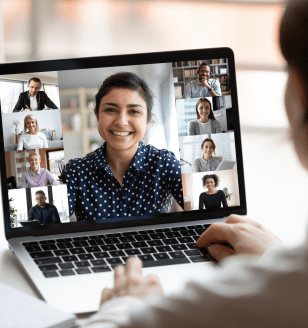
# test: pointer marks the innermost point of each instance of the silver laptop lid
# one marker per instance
(119, 141)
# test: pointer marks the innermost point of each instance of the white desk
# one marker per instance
(276, 196)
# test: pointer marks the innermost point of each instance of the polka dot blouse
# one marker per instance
(149, 185)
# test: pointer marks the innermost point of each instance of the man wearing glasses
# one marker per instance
(43, 212)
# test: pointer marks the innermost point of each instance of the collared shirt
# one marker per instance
(195, 89)
(37, 179)
(149, 185)
(201, 165)
(46, 215)
(33, 103)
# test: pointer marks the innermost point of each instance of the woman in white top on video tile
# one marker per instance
(206, 122)
(32, 138)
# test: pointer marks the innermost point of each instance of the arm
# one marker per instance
(187, 91)
(173, 176)
(223, 199)
(216, 89)
(24, 181)
(197, 167)
(51, 179)
(55, 215)
(20, 145)
(45, 142)
(216, 127)
(200, 202)
(30, 215)
(191, 128)
(241, 286)
(19, 105)
(49, 103)
(246, 237)
(71, 187)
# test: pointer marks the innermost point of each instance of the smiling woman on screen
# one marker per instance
(31, 138)
(207, 162)
(206, 122)
(124, 177)
(213, 197)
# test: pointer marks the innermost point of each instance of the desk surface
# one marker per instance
(276, 196)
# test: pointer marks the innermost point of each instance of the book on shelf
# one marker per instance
(190, 72)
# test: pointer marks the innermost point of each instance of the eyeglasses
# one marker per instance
(39, 198)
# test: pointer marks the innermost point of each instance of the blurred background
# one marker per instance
(51, 29)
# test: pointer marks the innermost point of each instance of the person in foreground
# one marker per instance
(43, 212)
(260, 282)
(32, 137)
(33, 99)
(128, 177)
(36, 176)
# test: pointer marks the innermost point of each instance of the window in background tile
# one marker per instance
(52, 92)
(9, 92)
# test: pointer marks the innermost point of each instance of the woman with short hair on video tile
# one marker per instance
(207, 162)
(36, 176)
(206, 122)
(31, 138)
(124, 177)
(212, 198)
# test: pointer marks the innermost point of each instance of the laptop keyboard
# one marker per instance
(101, 253)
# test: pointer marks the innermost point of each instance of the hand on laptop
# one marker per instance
(244, 235)
(128, 281)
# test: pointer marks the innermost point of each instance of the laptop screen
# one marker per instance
(106, 142)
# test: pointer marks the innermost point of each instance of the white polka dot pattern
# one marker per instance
(149, 185)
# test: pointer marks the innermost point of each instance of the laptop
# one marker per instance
(60, 149)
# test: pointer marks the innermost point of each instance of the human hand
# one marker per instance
(45, 109)
(128, 281)
(204, 82)
(244, 235)
(27, 110)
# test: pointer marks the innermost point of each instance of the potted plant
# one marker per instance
(228, 195)
(13, 214)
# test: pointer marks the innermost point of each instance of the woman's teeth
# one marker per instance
(123, 134)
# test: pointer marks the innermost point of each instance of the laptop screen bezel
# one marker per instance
(126, 60)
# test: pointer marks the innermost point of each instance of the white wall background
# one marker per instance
(46, 119)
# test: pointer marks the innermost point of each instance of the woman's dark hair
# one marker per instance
(293, 38)
(211, 176)
(206, 140)
(211, 116)
(130, 81)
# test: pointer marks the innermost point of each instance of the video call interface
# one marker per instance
(173, 121)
